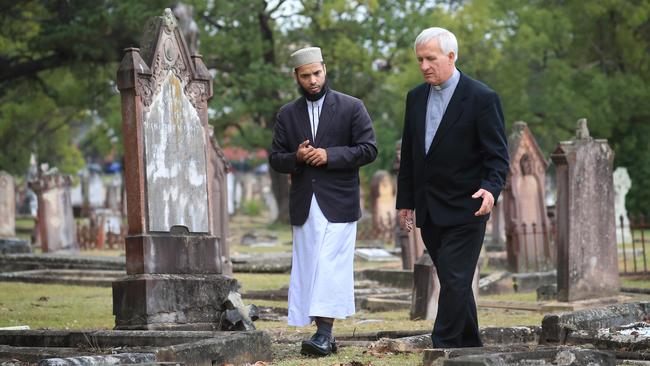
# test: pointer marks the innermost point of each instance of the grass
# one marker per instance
(55, 306)
(80, 307)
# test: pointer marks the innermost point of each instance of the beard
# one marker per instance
(313, 97)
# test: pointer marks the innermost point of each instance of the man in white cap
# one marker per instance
(321, 139)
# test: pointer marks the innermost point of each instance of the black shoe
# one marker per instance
(319, 345)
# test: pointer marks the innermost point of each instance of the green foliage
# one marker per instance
(252, 208)
(551, 62)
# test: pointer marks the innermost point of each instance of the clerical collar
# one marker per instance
(453, 79)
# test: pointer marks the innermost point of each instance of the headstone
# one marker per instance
(173, 260)
(56, 224)
(382, 198)
(622, 184)
(496, 240)
(587, 262)
(426, 289)
(114, 194)
(220, 168)
(9, 244)
(96, 190)
(527, 227)
(7, 206)
(411, 243)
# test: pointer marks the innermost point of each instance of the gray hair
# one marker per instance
(446, 40)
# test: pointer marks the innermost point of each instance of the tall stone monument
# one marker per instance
(527, 227)
(8, 241)
(587, 263)
(56, 226)
(622, 185)
(173, 260)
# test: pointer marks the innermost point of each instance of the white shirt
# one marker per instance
(314, 109)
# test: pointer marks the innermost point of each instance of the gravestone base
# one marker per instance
(14, 246)
(181, 253)
(171, 301)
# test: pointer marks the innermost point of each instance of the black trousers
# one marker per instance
(455, 251)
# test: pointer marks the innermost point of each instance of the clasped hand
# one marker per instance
(311, 155)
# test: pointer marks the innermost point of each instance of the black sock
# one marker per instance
(324, 327)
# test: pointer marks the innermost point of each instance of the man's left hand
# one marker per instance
(316, 157)
(488, 202)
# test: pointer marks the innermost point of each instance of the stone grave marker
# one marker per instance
(9, 243)
(587, 262)
(173, 258)
(622, 184)
(410, 243)
(527, 227)
(56, 225)
(426, 289)
(382, 198)
(7, 206)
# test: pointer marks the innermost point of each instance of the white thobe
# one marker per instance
(322, 276)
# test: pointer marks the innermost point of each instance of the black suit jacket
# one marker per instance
(469, 151)
(345, 131)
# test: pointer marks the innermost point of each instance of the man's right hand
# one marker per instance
(406, 219)
(303, 149)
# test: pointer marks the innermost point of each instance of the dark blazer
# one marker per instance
(345, 131)
(469, 151)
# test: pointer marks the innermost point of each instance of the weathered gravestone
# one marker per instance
(587, 262)
(410, 243)
(527, 227)
(496, 236)
(173, 260)
(382, 198)
(7, 206)
(622, 184)
(220, 169)
(56, 225)
(426, 289)
(8, 241)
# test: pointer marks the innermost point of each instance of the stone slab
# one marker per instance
(64, 276)
(556, 327)
(378, 304)
(433, 356)
(547, 357)
(190, 348)
(14, 245)
(22, 262)
(529, 282)
(387, 277)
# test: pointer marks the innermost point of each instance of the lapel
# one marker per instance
(452, 115)
(326, 117)
(421, 115)
(303, 120)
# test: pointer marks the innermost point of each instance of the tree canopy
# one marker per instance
(552, 62)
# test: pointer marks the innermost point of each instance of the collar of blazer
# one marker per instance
(450, 117)
(324, 120)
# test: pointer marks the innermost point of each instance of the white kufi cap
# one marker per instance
(305, 56)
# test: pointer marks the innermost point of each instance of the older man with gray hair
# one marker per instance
(454, 161)
(321, 139)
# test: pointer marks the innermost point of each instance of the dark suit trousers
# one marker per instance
(455, 251)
